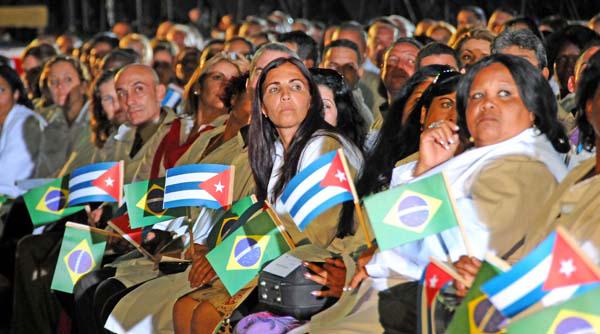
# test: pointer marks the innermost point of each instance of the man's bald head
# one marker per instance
(141, 69)
(140, 93)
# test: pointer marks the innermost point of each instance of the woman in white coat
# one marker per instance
(20, 131)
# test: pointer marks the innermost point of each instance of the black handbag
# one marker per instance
(291, 295)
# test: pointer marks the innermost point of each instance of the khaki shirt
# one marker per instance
(60, 139)
(508, 201)
(574, 205)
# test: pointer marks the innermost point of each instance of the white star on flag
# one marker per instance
(567, 268)
(433, 281)
(340, 175)
(219, 187)
(109, 182)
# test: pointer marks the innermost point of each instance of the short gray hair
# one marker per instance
(272, 46)
(525, 39)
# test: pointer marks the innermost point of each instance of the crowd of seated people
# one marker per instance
(508, 108)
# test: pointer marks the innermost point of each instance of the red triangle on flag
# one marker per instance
(123, 223)
(336, 175)
(220, 187)
(435, 279)
(111, 182)
(569, 267)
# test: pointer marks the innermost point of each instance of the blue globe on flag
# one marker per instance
(247, 252)
(412, 211)
(484, 317)
(54, 201)
(573, 322)
(79, 261)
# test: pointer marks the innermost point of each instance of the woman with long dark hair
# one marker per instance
(339, 107)
(287, 133)
(20, 132)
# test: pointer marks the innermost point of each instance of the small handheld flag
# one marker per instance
(244, 252)
(100, 182)
(145, 203)
(318, 187)
(81, 252)
(435, 277)
(554, 271)
(48, 203)
(411, 212)
(205, 185)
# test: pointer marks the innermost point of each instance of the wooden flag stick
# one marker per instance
(121, 181)
(67, 165)
(449, 269)
(458, 218)
(497, 262)
(359, 212)
(88, 228)
(191, 248)
(280, 225)
(133, 242)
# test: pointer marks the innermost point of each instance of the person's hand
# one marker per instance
(438, 144)
(361, 272)
(467, 267)
(74, 101)
(94, 216)
(332, 275)
(202, 272)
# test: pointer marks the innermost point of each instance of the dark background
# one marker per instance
(86, 17)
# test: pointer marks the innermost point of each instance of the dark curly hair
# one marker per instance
(100, 125)
(349, 121)
(586, 90)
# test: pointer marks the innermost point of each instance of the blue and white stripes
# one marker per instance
(305, 198)
(81, 189)
(182, 186)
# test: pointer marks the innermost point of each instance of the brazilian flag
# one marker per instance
(145, 203)
(80, 253)
(476, 314)
(48, 203)
(411, 212)
(244, 252)
(578, 315)
(227, 219)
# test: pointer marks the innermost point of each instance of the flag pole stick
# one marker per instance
(93, 230)
(357, 206)
(280, 225)
(461, 227)
(67, 164)
(191, 233)
(133, 242)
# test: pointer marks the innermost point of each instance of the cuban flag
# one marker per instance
(100, 182)
(203, 185)
(556, 270)
(318, 187)
(172, 97)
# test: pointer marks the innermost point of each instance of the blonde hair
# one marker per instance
(189, 95)
(146, 56)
